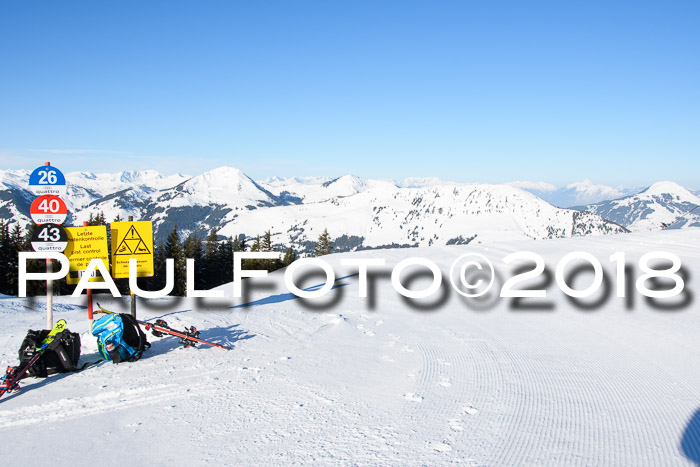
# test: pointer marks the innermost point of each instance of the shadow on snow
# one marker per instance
(280, 298)
(690, 444)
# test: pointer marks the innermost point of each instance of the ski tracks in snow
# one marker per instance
(556, 401)
(96, 404)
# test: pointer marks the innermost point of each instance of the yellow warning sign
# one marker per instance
(84, 244)
(132, 240)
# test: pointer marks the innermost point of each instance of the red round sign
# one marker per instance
(48, 209)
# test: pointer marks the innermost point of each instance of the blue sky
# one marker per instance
(466, 91)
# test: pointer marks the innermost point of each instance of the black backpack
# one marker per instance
(60, 357)
(134, 336)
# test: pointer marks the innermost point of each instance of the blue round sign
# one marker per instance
(47, 180)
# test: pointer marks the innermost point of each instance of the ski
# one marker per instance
(10, 381)
(188, 338)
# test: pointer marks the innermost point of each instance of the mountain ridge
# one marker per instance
(361, 213)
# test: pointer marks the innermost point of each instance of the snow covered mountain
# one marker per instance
(359, 213)
(198, 203)
(662, 205)
(107, 183)
(574, 194)
(386, 215)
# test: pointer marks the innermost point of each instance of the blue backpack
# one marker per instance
(119, 338)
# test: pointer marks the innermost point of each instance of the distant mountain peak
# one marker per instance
(348, 181)
(422, 182)
(533, 186)
(663, 205)
(668, 187)
(224, 172)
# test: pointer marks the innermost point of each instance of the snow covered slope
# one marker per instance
(378, 381)
(386, 215)
(107, 183)
(662, 205)
(316, 190)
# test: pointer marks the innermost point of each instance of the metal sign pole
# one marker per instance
(131, 292)
(48, 212)
(49, 296)
(49, 287)
(89, 293)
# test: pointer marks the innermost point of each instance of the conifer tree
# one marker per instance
(253, 263)
(225, 272)
(266, 242)
(157, 282)
(13, 245)
(323, 245)
(98, 219)
(5, 256)
(212, 260)
(242, 242)
(193, 249)
(174, 250)
(266, 245)
(289, 257)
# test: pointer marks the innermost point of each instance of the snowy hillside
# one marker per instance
(107, 183)
(662, 205)
(386, 215)
(318, 190)
(383, 381)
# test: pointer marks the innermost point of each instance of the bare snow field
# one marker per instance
(383, 380)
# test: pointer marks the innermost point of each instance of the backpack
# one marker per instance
(60, 357)
(119, 338)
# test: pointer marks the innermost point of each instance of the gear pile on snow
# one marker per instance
(119, 339)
